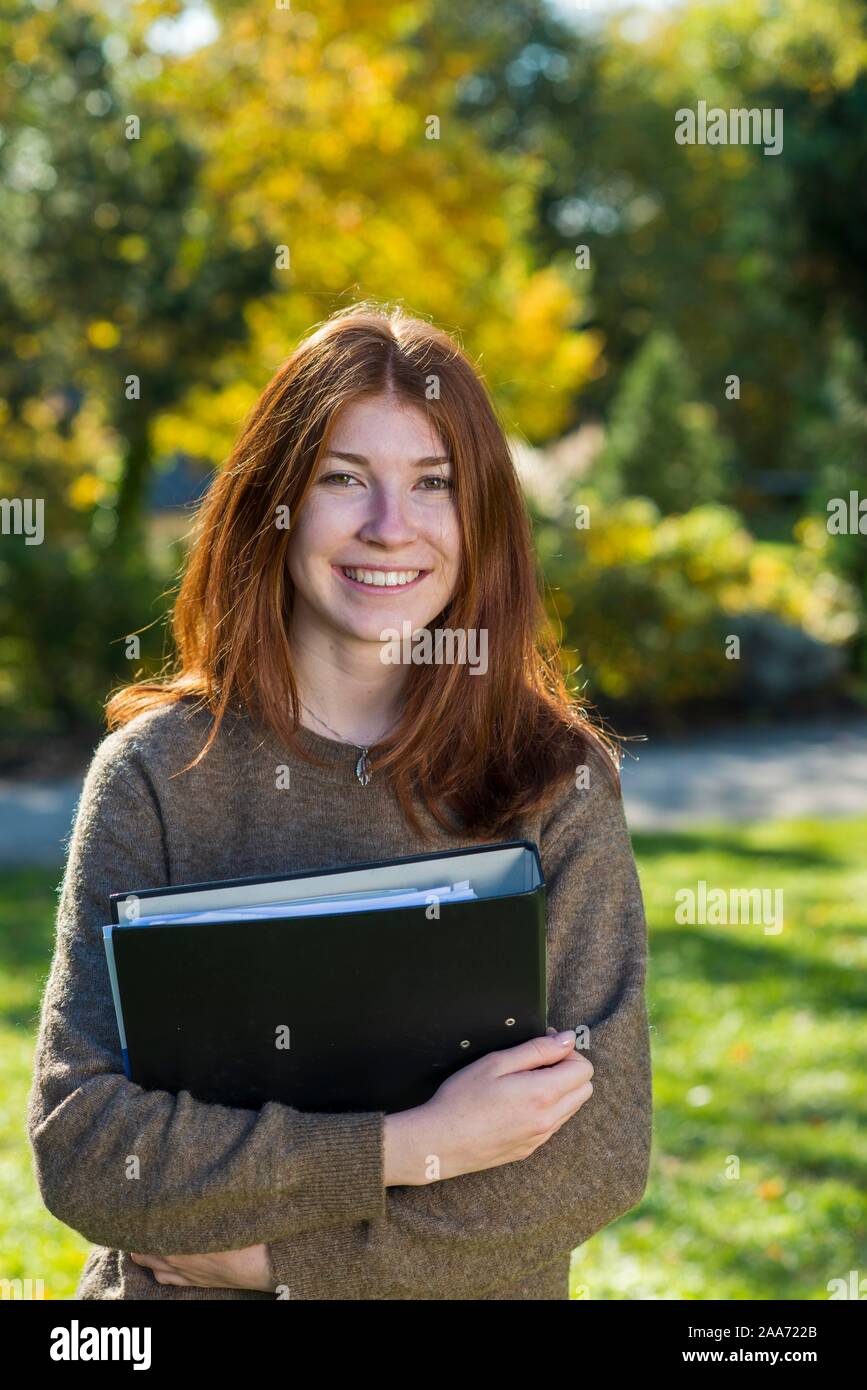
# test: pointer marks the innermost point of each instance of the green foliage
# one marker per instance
(647, 602)
(834, 445)
(662, 441)
(66, 612)
(833, 441)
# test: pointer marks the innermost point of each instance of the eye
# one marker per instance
(331, 477)
(447, 483)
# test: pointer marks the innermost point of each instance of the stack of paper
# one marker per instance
(363, 901)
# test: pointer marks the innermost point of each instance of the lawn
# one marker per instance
(758, 1061)
(758, 1169)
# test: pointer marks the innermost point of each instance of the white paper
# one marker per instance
(319, 907)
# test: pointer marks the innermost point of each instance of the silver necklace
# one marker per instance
(362, 767)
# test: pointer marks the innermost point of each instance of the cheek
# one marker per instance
(452, 547)
(313, 538)
(444, 535)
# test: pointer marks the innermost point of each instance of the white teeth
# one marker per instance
(381, 578)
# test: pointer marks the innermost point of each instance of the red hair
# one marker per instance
(485, 748)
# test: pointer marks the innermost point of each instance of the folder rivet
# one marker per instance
(465, 1043)
(509, 1022)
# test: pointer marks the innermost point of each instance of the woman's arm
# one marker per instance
(145, 1170)
(461, 1237)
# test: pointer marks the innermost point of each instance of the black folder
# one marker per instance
(353, 1011)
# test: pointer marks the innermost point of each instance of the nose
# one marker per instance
(388, 521)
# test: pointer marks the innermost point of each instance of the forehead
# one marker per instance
(386, 427)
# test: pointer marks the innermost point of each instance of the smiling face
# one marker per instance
(377, 541)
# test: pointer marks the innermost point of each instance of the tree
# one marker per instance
(150, 286)
(662, 442)
(118, 282)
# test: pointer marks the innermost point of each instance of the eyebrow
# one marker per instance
(359, 458)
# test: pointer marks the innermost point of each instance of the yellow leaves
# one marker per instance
(812, 533)
(40, 413)
(85, 491)
(133, 248)
(795, 585)
(330, 146)
(102, 334)
(581, 354)
(25, 48)
(321, 146)
(209, 423)
(347, 216)
(803, 42)
(76, 468)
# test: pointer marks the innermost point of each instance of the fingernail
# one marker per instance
(567, 1039)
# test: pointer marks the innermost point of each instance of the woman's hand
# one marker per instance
(226, 1269)
(496, 1110)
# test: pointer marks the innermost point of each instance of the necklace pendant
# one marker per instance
(362, 768)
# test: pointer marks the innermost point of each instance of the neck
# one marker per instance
(346, 685)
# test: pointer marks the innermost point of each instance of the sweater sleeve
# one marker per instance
(460, 1238)
(147, 1170)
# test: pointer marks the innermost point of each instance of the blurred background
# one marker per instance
(675, 336)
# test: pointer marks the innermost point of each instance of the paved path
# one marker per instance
(805, 770)
(816, 769)
(35, 818)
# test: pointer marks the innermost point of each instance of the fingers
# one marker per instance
(565, 1084)
(161, 1267)
(537, 1052)
(571, 1104)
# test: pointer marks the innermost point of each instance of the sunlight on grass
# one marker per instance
(755, 1050)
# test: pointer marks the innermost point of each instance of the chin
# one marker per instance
(370, 627)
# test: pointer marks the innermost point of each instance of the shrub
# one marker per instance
(647, 602)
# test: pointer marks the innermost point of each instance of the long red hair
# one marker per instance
(487, 748)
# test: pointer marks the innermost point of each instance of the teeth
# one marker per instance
(392, 579)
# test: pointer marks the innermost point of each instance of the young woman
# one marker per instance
(371, 488)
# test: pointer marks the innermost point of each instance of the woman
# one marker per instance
(371, 488)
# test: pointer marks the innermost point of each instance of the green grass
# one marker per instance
(756, 1055)
(755, 1051)
(33, 1245)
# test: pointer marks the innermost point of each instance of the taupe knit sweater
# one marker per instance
(309, 1185)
